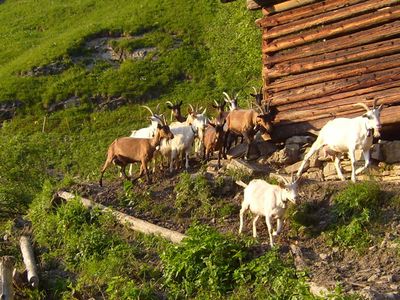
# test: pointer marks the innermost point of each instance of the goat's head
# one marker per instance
(219, 128)
(155, 117)
(258, 96)
(163, 129)
(175, 108)
(372, 117)
(233, 102)
(219, 106)
(290, 188)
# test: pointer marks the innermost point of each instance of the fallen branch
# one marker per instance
(29, 261)
(132, 222)
(6, 277)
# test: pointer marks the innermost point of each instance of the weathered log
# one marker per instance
(344, 71)
(334, 86)
(342, 27)
(284, 130)
(132, 222)
(302, 12)
(334, 107)
(29, 261)
(375, 34)
(286, 6)
(359, 95)
(6, 277)
(332, 16)
(358, 53)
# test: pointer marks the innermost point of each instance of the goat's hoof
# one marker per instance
(275, 233)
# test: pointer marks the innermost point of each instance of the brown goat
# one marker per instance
(246, 122)
(214, 140)
(176, 110)
(127, 150)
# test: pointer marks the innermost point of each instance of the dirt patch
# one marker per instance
(377, 271)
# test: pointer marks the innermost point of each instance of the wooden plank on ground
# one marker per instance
(132, 222)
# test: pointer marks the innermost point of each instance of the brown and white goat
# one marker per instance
(246, 122)
(214, 140)
(127, 150)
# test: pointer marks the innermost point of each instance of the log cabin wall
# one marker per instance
(321, 58)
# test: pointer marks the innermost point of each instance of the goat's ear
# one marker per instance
(212, 124)
(180, 103)
(213, 105)
(169, 106)
(253, 95)
(159, 126)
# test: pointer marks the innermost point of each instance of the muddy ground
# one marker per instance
(375, 273)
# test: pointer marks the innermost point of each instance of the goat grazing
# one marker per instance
(346, 135)
(214, 140)
(270, 201)
(127, 150)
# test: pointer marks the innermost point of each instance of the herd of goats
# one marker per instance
(174, 141)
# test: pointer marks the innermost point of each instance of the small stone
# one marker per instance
(372, 278)
(323, 256)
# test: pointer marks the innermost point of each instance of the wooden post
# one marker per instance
(29, 261)
(6, 271)
(132, 222)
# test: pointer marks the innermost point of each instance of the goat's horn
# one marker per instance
(169, 102)
(191, 107)
(236, 95)
(363, 105)
(269, 105)
(149, 109)
(158, 109)
(255, 90)
(374, 104)
(285, 181)
(216, 103)
(227, 96)
(260, 108)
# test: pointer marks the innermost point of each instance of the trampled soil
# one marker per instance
(374, 273)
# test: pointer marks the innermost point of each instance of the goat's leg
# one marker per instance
(248, 140)
(144, 168)
(254, 226)
(242, 211)
(187, 159)
(352, 157)
(367, 161)
(123, 171)
(173, 158)
(278, 227)
(268, 220)
(314, 148)
(338, 169)
(106, 165)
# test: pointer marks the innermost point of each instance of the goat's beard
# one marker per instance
(376, 133)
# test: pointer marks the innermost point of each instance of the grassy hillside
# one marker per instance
(202, 49)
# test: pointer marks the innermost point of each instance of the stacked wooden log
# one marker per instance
(322, 57)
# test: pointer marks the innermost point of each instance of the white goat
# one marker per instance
(346, 135)
(267, 200)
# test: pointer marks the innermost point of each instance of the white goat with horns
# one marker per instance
(268, 200)
(346, 135)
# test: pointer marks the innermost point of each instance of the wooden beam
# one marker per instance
(359, 95)
(290, 4)
(334, 86)
(351, 40)
(359, 53)
(352, 24)
(337, 72)
(283, 130)
(302, 12)
(329, 17)
(132, 222)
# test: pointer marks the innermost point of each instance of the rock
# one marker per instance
(299, 140)
(266, 148)
(391, 152)
(317, 290)
(250, 168)
(293, 168)
(239, 151)
(292, 152)
(323, 256)
(376, 152)
(314, 174)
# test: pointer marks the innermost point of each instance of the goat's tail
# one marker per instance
(241, 183)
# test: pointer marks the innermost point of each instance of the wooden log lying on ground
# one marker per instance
(336, 15)
(359, 53)
(29, 261)
(132, 222)
(302, 12)
(375, 34)
(352, 24)
(6, 277)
